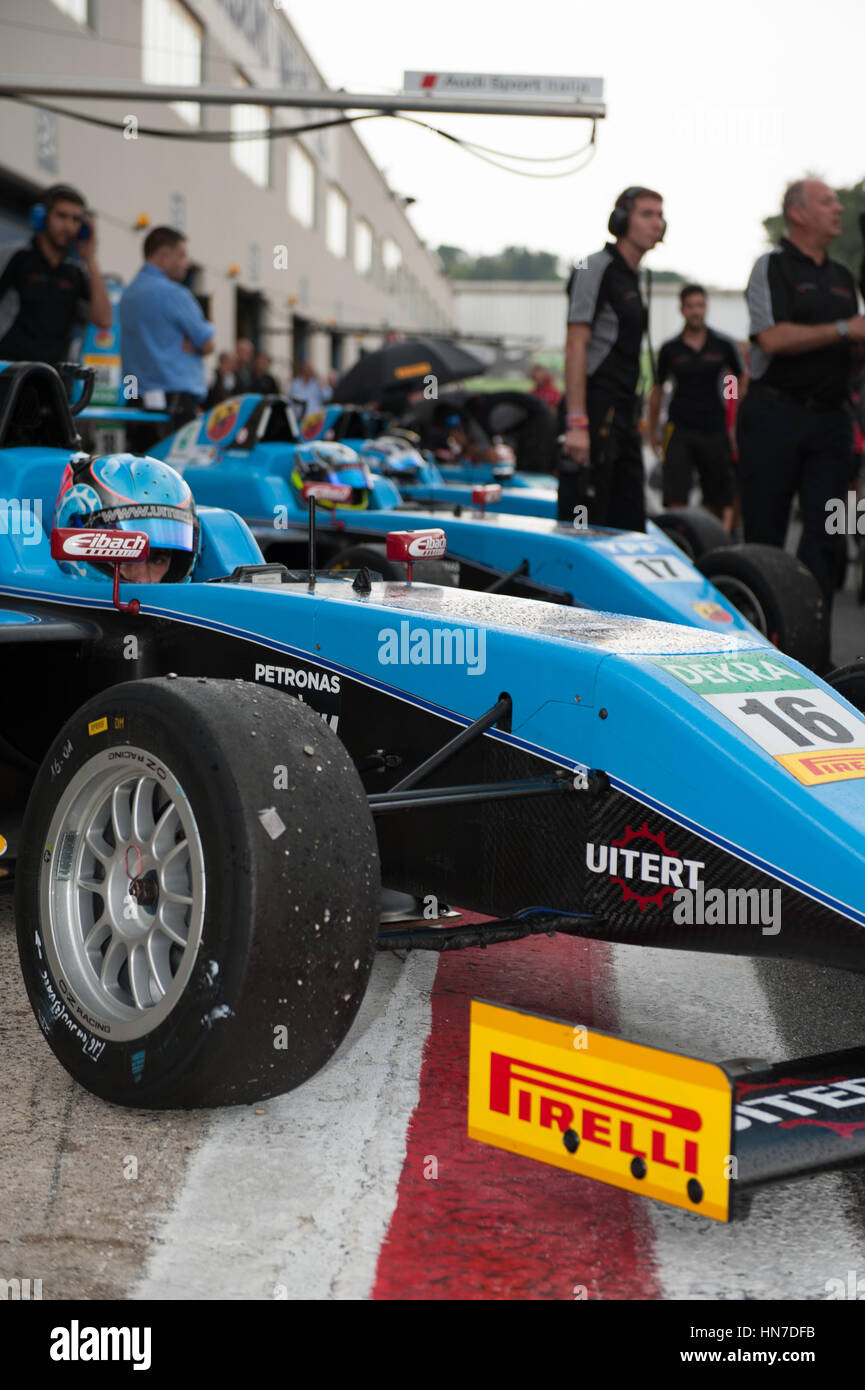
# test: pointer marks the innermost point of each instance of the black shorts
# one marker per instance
(686, 450)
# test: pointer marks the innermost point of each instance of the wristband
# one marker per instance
(576, 421)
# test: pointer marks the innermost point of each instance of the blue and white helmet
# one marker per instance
(391, 455)
(123, 492)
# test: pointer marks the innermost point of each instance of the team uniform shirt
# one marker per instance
(605, 293)
(787, 286)
(40, 304)
(698, 398)
(156, 314)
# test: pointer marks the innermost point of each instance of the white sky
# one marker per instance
(717, 106)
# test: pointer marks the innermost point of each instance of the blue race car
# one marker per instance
(205, 781)
(245, 454)
(420, 477)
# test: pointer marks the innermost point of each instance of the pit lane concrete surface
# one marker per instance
(363, 1184)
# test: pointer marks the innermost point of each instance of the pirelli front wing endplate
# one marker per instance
(695, 1134)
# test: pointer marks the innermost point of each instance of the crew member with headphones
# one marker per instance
(45, 289)
(603, 463)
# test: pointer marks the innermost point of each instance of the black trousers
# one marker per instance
(785, 449)
(611, 488)
(180, 406)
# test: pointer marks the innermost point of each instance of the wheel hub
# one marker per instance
(145, 891)
(123, 894)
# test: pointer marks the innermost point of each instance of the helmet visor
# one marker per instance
(171, 528)
(163, 534)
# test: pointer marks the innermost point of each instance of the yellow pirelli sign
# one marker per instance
(649, 1121)
(815, 768)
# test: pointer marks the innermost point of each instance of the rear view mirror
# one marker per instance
(103, 547)
(411, 546)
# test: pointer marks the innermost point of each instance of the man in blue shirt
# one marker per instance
(164, 337)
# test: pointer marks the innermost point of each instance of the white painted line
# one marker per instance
(296, 1203)
(796, 1237)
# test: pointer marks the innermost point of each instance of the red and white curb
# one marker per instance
(363, 1183)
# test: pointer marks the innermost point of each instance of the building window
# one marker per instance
(252, 157)
(301, 185)
(76, 9)
(171, 40)
(391, 259)
(336, 223)
(362, 247)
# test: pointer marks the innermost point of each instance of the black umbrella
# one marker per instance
(404, 366)
(523, 421)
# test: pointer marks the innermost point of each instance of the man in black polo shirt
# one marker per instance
(794, 426)
(699, 360)
(44, 290)
(606, 322)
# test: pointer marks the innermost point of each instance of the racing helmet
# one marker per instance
(123, 492)
(392, 456)
(333, 463)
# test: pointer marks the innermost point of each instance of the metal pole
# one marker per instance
(109, 89)
(311, 542)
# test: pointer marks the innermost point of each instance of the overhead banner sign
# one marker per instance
(496, 84)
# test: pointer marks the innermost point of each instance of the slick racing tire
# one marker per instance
(695, 531)
(198, 894)
(849, 681)
(777, 594)
(445, 573)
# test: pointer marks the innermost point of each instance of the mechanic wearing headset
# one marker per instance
(606, 322)
(120, 492)
(51, 283)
